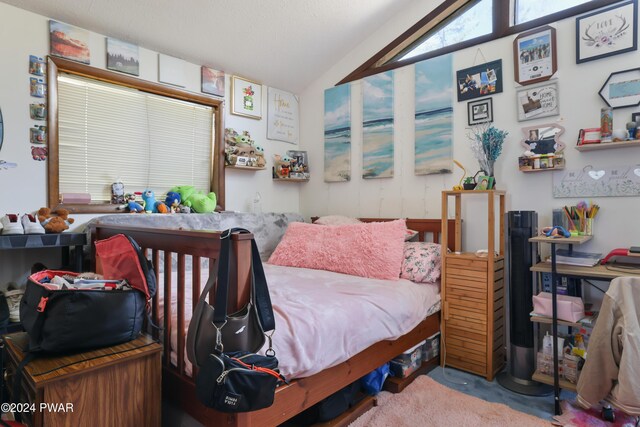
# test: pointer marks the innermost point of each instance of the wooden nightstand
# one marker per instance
(112, 386)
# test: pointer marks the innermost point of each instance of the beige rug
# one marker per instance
(428, 403)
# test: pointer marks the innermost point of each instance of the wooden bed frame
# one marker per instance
(290, 399)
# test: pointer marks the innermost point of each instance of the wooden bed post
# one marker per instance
(240, 271)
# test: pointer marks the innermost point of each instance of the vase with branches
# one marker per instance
(486, 144)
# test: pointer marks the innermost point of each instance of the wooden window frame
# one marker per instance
(502, 27)
(57, 65)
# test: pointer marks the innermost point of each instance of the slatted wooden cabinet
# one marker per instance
(473, 296)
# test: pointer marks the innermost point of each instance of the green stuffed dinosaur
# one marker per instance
(197, 201)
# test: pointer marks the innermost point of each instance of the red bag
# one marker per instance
(122, 258)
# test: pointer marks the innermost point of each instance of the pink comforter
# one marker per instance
(324, 318)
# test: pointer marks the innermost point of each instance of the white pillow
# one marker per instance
(337, 220)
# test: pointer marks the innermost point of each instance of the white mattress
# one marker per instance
(324, 318)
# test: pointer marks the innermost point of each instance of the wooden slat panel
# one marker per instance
(498, 304)
(465, 333)
(464, 324)
(465, 354)
(464, 293)
(462, 363)
(463, 272)
(196, 285)
(479, 347)
(498, 274)
(498, 285)
(498, 264)
(467, 304)
(454, 279)
(479, 264)
(167, 309)
(461, 312)
(180, 323)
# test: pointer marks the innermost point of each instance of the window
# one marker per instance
(528, 10)
(459, 24)
(468, 23)
(108, 131)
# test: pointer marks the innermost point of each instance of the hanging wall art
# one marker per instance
(377, 126)
(337, 134)
(597, 182)
(69, 42)
(434, 116)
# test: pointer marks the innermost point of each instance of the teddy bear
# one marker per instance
(54, 221)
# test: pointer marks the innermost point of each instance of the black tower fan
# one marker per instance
(521, 255)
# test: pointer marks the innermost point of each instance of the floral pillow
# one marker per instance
(421, 262)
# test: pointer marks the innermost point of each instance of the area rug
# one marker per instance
(425, 402)
(574, 416)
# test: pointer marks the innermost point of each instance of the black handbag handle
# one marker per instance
(260, 291)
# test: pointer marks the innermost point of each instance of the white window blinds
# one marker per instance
(109, 132)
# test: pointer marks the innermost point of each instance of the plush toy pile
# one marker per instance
(54, 221)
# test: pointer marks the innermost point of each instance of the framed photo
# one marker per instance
(480, 111)
(534, 102)
(283, 116)
(589, 136)
(484, 183)
(212, 81)
(622, 89)
(479, 80)
(69, 42)
(534, 55)
(635, 117)
(123, 57)
(607, 32)
(246, 98)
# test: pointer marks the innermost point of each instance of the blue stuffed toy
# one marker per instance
(149, 199)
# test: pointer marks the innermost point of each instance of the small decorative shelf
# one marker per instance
(251, 168)
(606, 145)
(556, 168)
(291, 179)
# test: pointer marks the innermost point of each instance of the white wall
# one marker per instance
(24, 189)
(407, 195)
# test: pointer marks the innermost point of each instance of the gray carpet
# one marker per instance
(477, 386)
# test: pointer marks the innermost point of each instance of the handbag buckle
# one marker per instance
(219, 347)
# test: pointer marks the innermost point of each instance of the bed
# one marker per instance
(189, 249)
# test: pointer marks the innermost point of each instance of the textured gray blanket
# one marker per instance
(268, 228)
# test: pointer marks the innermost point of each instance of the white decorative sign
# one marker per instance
(282, 116)
(593, 182)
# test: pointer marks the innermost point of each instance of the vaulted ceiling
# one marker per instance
(282, 43)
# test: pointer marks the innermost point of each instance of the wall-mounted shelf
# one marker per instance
(291, 179)
(555, 168)
(252, 168)
(606, 145)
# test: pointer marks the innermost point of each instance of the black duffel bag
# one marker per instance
(89, 316)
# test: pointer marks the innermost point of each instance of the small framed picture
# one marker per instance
(484, 183)
(622, 89)
(479, 80)
(589, 136)
(534, 55)
(480, 111)
(212, 81)
(607, 32)
(537, 101)
(635, 117)
(246, 98)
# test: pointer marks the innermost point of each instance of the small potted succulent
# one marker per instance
(469, 183)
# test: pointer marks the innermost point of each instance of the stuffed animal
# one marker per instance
(197, 201)
(260, 161)
(173, 200)
(132, 205)
(282, 166)
(56, 221)
(151, 205)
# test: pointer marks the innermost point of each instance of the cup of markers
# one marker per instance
(580, 218)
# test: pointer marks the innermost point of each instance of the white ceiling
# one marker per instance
(281, 43)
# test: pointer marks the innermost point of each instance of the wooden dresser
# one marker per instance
(473, 293)
(112, 386)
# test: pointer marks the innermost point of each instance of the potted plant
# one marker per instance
(469, 183)
(486, 144)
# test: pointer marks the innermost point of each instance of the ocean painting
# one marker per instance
(337, 134)
(377, 126)
(434, 116)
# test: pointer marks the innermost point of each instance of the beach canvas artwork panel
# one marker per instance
(212, 81)
(434, 116)
(69, 42)
(377, 126)
(123, 57)
(337, 134)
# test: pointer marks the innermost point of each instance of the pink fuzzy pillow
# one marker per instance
(421, 262)
(373, 250)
